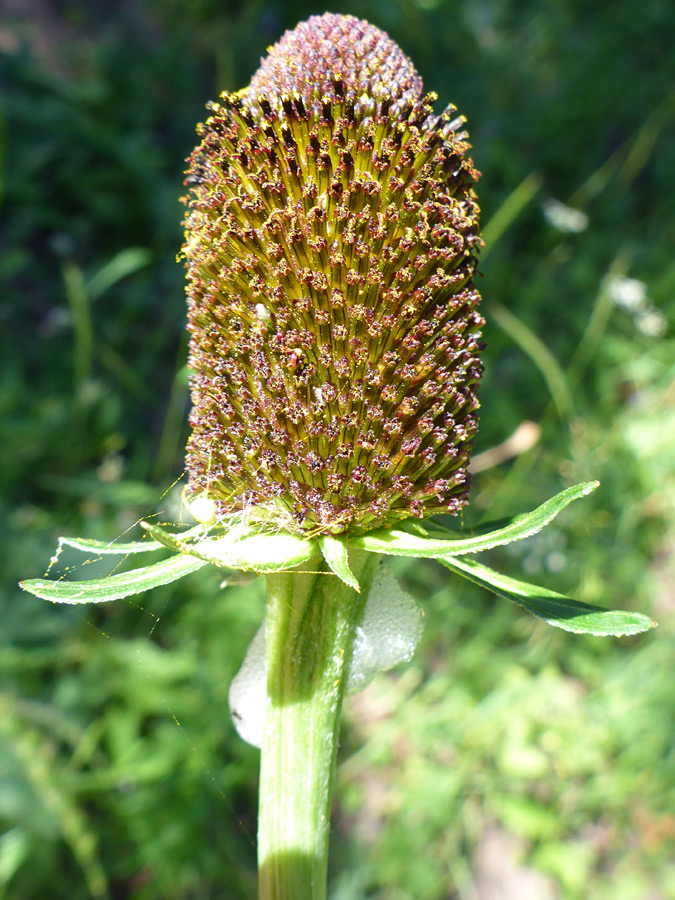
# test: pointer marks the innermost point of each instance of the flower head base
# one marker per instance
(330, 244)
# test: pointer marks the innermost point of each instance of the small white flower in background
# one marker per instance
(628, 293)
(651, 322)
(564, 218)
(631, 294)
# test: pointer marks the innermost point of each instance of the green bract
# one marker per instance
(253, 550)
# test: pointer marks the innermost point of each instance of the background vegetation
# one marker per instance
(511, 760)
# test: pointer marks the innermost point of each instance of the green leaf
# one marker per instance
(105, 548)
(109, 547)
(164, 539)
(554, 608)
(114, 586)
(239, 548)
(397, 542)
(335, 553)
(253, 551)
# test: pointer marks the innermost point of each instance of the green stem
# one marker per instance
(311, 622)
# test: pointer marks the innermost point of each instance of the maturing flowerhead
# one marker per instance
(331, 241)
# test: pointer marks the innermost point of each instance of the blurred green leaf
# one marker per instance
(78, 302)
(528, 818)
(125, 263)
(509, 211)
(540, 355)
(14, 849)
(627, 162)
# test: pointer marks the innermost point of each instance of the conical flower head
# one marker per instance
(331, 236)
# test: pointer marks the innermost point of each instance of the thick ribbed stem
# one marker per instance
(311, 622)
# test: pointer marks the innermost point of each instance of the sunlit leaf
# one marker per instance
(334, 552)
(554, 608)
(254, 551)
(397, 542)
(109, 547)
(114, 548)
(163, 538)
(114, 586)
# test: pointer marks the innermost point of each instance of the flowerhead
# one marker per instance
(331, 240)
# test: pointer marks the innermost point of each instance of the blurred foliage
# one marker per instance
(120, 773)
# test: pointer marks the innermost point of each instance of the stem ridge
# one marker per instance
(311, 624)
